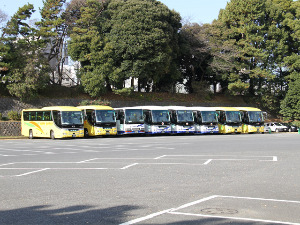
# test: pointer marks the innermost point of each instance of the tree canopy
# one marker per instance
(251, 49)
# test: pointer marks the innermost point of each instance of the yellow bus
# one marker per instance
(52, 122)
(229, 120)
(99, 120)
(253, 120)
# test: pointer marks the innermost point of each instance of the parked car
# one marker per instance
(291, 127)
(267, 129)
(277, 127)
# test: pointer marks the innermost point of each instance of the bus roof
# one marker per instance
(131, 107)
(153, 107)
(61, 108)
(224, 108)
(33, 109)
(176, 107)
(201, 108)
(95, 107)
(247, 109)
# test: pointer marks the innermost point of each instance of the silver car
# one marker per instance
(267, 129)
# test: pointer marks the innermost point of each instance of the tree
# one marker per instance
(86, 46)
(290, 106)
(126, 39)
(144, 37)
(25, 67)
(53, 30)
(245, 21)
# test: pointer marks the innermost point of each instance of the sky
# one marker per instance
(194, 11)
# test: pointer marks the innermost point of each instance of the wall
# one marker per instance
(10, 128)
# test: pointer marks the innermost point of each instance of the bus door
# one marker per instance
(120, 115)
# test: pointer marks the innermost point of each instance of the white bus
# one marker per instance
(182, 119)
(206, 120)
(157, 120)
(130, 120)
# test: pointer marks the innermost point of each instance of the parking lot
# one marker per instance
(187, 179)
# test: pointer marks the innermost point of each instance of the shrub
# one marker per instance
(14, 115)
(124, 91)
(0, 116)
(95, 102)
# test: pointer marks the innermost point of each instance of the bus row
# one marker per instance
(94, 120)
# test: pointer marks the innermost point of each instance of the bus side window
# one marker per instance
(39, 116)
(25, 116)
(222, 117)
(199, 118)
(32, 116)
(121, 117)
(56, 118)
(173, 117)
(89, 117)
(47, 116)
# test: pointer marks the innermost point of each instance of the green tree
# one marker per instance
(53, 29)
(86, 46)
(290, 106)
(119, 39)
(21, 50)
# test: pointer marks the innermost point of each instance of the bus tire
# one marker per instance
(86, 133)
(30, 134)
(52, 135)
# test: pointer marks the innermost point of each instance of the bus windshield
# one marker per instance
(107, 116)
(255, 116)
(209, 116)
(71, 118)
(184, 115)
(233, 116)
(134, 116)
(159, 116)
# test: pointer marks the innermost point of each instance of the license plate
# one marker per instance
(73, 135)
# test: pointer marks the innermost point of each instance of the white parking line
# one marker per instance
(207, 162)
(126, 167)
(173, 211)
(88, 160)
(36, 171)
(235, 218)
(146, 217)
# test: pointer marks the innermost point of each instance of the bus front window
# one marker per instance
(159, 116)
(209, 117)
(71, 118)
(106, 116)
(255, 117)
(184, 116)
(134, 116)
(233, 116)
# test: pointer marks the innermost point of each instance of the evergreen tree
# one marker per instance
(25, 67)
(53, 30)
(119, 39)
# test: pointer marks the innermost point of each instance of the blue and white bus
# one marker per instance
(206, 120)
(157, 120)
(182, 119)
(130, 120)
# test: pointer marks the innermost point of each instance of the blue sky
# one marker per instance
(199, 11)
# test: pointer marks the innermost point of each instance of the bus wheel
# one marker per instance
(30, 134)
(86, 133)
(52, 136)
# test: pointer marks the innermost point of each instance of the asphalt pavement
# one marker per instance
(186, 179)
